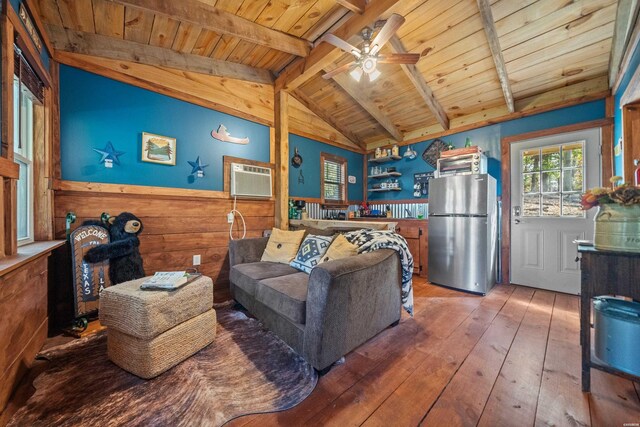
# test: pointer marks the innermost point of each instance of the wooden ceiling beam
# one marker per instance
(355, 6)
(206, 16)
(496, 52)
(421, 85)
(323, 55)
(312, 106)
(112, 48)
(566, 96)
(346, 83)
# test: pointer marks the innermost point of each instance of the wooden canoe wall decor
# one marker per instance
(88, 278)
(223, 135)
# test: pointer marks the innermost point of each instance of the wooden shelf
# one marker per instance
(385, 175)
(385, 159)
(379, 190)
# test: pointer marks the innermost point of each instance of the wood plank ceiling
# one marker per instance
(545, 51)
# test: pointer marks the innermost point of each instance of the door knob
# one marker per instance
(517, 221)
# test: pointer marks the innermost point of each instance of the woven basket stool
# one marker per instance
(149, 332)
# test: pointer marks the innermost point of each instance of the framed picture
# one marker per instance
(158, 149)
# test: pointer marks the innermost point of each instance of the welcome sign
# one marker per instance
(89, 278)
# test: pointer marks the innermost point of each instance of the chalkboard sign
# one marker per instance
(421, 184)
(88, 278)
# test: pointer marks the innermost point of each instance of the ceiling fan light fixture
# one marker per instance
(369, 65)
(356, 73)
(374, 75)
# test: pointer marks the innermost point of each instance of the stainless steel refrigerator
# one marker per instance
(463, 232)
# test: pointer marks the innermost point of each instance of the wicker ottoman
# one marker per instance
(149, 332)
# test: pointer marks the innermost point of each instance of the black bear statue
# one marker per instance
(125, 262)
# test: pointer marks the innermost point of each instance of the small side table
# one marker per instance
(604, 273)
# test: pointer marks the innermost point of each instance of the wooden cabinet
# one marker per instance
(604, 273)
(415, 233)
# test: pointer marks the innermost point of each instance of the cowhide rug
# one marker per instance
(246, 370)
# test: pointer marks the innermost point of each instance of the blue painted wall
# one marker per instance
(95, 110)
(633, 66)
(488, 138)
(44, 56)
(310, 151)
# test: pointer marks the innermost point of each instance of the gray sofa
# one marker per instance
(326, 314)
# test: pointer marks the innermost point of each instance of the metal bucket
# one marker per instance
(617, 228)
(617, 333)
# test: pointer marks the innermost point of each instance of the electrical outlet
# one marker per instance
(230, 217)
(196, 260)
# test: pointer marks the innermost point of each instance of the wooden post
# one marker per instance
(55, 121)
(43, 195)
(272, 144)
(281, 125)
(8, 203)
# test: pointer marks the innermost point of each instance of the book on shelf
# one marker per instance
(169, 280)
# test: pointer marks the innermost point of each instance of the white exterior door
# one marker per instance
(548, 177)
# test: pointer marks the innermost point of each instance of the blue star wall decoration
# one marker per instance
(109, 154)
(197, 167)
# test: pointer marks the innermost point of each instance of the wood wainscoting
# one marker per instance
(23, 320)
(175, 227)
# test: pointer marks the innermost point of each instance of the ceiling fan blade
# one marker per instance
(388, 30)
(338, 70)
(399, 58)
(341, 44)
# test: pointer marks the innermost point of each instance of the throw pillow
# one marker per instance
(282, 246)
(340, 248)
(310, 252)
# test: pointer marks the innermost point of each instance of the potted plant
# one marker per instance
(617, 223)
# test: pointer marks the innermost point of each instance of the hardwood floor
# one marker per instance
(511, 358)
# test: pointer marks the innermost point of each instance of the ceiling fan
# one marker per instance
(368, 56)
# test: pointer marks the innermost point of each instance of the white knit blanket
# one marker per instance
(371, 240)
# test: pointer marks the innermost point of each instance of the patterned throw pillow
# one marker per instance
(310, 252)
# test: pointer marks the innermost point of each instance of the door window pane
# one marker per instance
(550, 182)
(531, 205)
(571, 205)
(572, 180)
(531, 161)
(550, 158)
(572, 155)
(531, 182)
(551, 204)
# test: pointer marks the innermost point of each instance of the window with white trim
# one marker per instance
(23, 117)
(333, 180)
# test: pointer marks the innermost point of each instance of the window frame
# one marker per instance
(344, 201)
(26, 153)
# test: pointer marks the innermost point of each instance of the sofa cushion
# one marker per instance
(282, 246)
(311, 250)
(286, 295)
(246, 276)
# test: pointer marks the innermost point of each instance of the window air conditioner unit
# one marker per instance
(250, 181)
